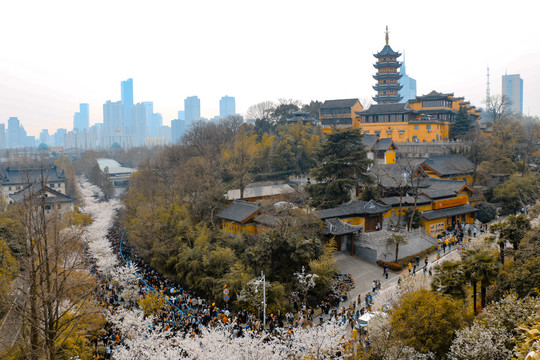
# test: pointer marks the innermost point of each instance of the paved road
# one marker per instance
(363, 273)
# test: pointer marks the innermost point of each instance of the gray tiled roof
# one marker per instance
(450, 164)
(382, 144)
(266, 219)
(381, 109)
(391, 175)
(353, 207)
(443, 213)
(438, 194)
(35, 189)
(405, 201)
(369, 141)
(26, 175)
(239, 211)
(340, 103)
(434, 95)
(335, 226)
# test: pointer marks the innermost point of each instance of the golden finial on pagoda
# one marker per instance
(386, 34)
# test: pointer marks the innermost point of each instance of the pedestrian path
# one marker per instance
(363, 273)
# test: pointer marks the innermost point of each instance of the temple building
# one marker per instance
(339, 113)
(387, 76)
(426, 118)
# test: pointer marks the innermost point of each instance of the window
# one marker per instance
(415, 127)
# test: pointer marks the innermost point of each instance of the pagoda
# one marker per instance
(387, 75)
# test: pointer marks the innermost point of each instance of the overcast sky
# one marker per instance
(57, 54)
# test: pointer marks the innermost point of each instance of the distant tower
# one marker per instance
(387, 76)
(408, 84)
(81, 119)
(3, 136)
(192, 108)
(488, 95)
(127, 101)
(227, 106)
(512, 88)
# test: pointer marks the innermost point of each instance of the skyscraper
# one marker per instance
(113, 117)
(181, 115)
(192, 108)
(44, 137)
(13, 133)
(141, 116)
(59, 137)
(2, 136)
(127, 101)
(178, 127)
(227, 106)
(156, 121)
(408, 89)
(512, 89)
(81, 119)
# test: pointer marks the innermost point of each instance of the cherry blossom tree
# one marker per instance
(479, 342)
(305, 282)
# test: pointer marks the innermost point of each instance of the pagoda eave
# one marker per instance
(379, 65)
(388, 76)
(387, 87)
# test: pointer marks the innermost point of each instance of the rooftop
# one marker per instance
(340, 103)
(113, 167)
(239, 211)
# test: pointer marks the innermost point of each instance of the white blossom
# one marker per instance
(479, 342)
(144, 340)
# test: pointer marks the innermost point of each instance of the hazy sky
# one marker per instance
(57, 54)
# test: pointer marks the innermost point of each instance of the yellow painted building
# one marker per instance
(425, 119)
(449, 166)
(442, 204)
(339, 114)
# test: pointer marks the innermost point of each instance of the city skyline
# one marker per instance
(55, 60)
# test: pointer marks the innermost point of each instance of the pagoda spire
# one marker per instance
(387, 76)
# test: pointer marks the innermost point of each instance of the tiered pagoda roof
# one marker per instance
(387, 76)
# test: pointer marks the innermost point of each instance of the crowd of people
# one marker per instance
(185, 312)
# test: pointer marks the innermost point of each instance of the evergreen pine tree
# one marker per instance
(462, 124)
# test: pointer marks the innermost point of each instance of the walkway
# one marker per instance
(363, 273)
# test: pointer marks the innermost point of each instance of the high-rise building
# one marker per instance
(227, 106)
(181, 115)
(156, 121)
(2, 136)
(44, 137)
(178, 128)
(512, 89)
(387, 76)
(13, 133)
(192, 108)
(81, 119)
(141, 116)
(113, 117)
(408, 84)
(127, 101)
(59, 137)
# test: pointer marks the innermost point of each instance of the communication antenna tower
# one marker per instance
(488, 97)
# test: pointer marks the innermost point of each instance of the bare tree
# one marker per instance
(54, 274)
(261, 111)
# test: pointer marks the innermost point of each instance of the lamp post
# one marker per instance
(258, 282)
